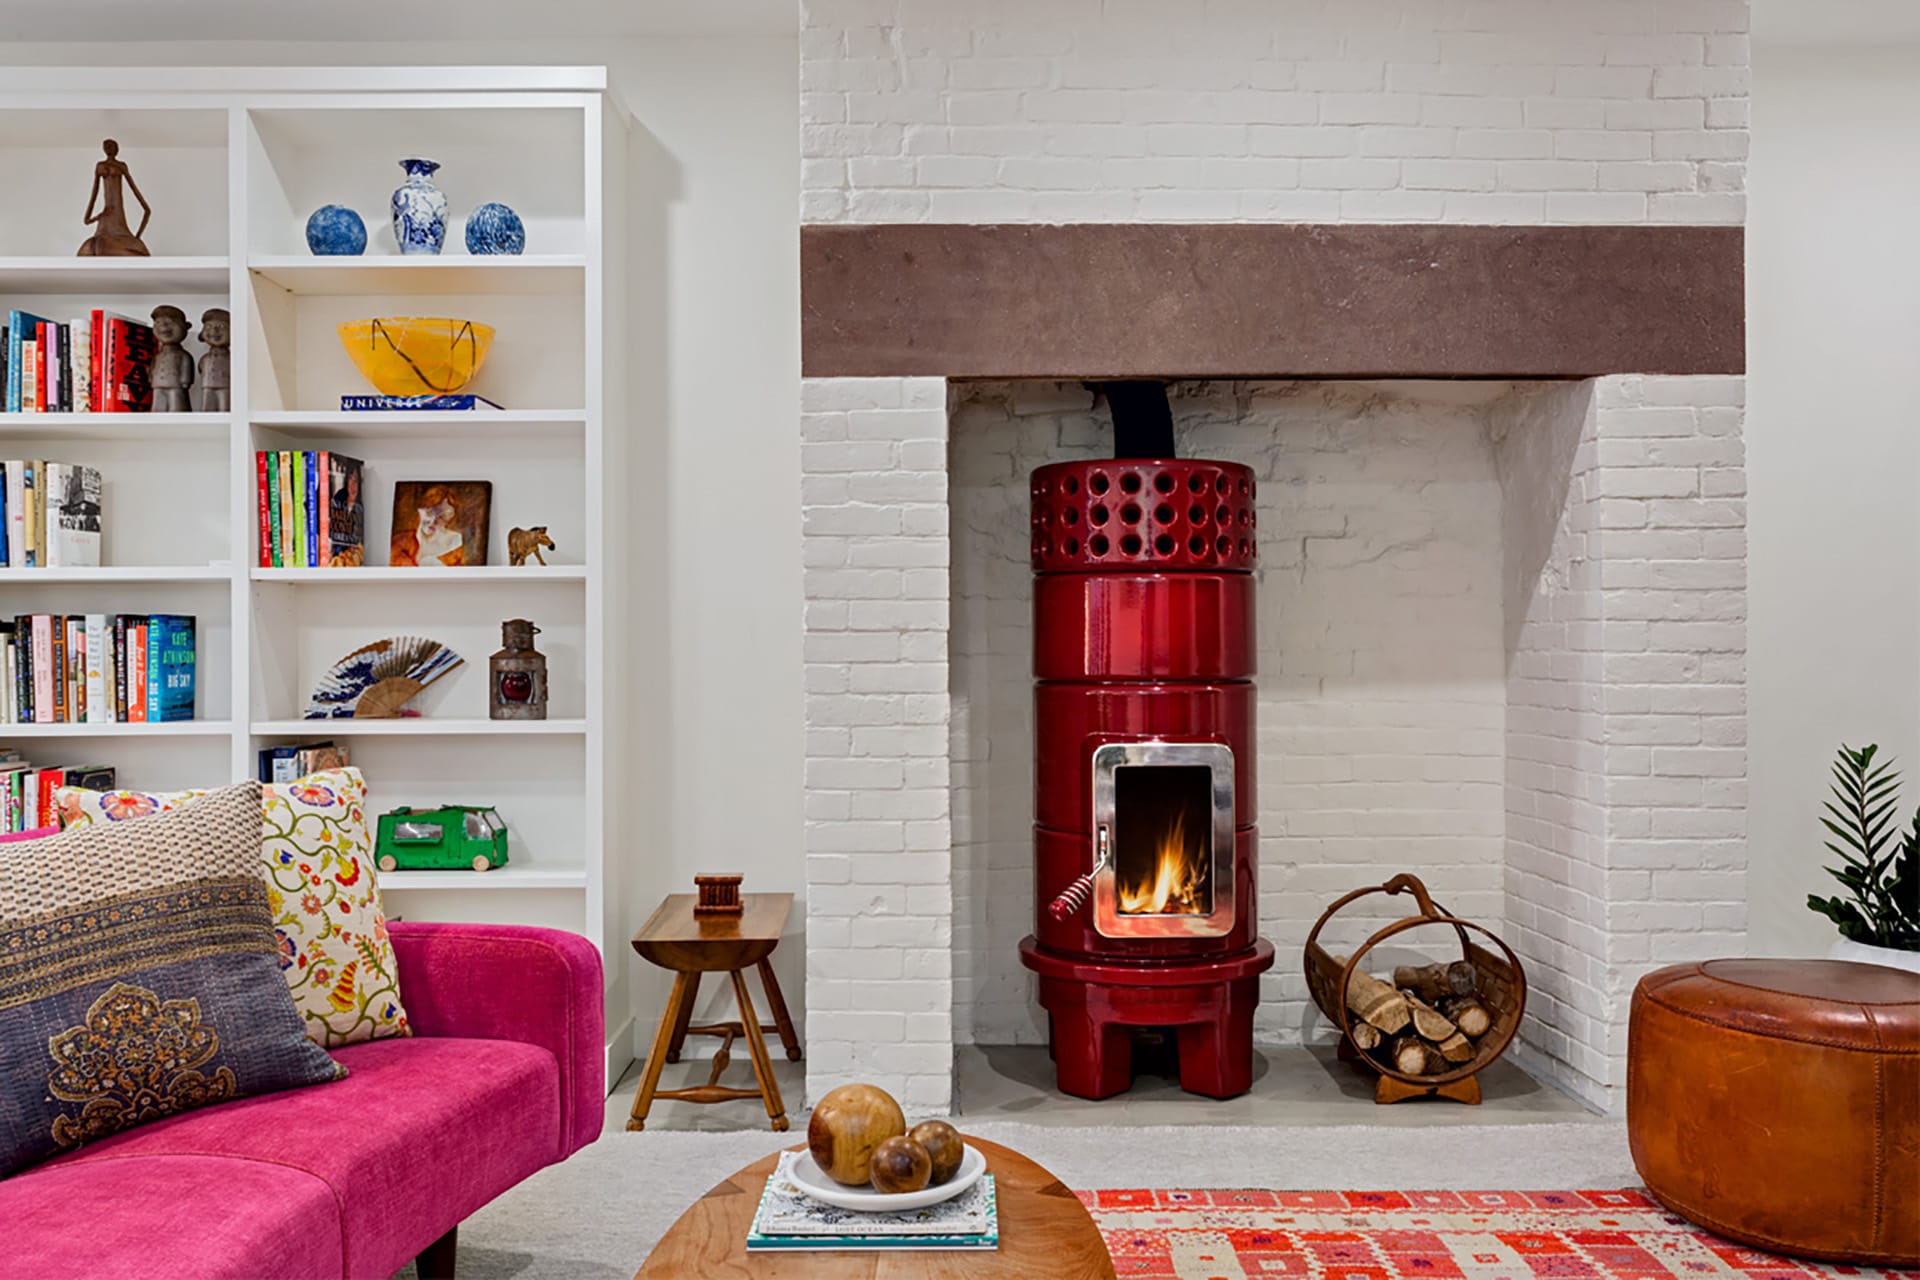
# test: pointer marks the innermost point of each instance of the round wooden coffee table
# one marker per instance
(1044, 1231)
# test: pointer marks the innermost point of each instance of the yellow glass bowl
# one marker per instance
(416, 355)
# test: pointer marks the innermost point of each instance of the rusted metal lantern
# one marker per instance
(517, 675)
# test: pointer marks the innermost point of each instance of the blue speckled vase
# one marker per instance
(494, 228)
(335, 230)
(419, 209)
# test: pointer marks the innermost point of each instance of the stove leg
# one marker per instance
(1216, 1056)
(1092, 1059)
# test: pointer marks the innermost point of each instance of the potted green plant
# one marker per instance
(1879, 915)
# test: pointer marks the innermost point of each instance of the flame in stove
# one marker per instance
(1174, 885)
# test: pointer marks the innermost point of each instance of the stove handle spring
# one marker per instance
(1075, 895)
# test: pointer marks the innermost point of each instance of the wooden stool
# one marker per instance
(675, 938)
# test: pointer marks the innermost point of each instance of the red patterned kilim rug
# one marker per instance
(1445, 1235)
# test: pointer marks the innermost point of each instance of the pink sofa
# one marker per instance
(503, 1076)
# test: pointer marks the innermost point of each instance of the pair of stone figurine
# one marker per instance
(172, 374)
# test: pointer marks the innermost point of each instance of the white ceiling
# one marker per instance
(1792, 22)
(384, 20)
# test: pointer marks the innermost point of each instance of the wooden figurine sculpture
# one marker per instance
(524, 542)
(216, 366)
(110, 238)
(172, 366)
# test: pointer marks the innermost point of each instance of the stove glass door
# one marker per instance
(1163, 823)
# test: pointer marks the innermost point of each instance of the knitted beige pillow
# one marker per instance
(318, 863)
(140, 977)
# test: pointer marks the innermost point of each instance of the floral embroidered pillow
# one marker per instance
(139, 978)
(318, 863)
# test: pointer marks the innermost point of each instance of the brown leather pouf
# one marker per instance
(1777, 1103)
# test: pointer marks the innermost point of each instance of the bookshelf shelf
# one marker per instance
(549, 273)
(478, 425)
(420, 727)
(166, 729)
(420, 577)
(116, 426)
(178, 275)
(110, 574)
(508, 877)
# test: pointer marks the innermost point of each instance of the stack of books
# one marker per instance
(284, 764)
(26, 789)
(50, 515)
(97, 668)
(310, 509)
(99, 363)
(789, 1220)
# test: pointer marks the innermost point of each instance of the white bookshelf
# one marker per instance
(233, 161)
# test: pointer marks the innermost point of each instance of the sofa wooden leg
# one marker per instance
(437, 1259)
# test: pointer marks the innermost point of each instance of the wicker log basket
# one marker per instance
(1495, 984)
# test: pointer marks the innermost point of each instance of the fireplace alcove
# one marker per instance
(1463, 666)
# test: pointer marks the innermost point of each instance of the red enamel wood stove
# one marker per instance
(1145, 849)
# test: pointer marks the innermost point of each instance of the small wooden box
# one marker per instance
(719, 894)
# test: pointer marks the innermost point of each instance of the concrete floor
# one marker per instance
(1292, 1087)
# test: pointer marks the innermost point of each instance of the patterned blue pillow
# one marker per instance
(140, 977)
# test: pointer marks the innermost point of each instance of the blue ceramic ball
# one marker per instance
(335, 230)
(494, 228)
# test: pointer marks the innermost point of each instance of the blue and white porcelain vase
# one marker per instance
(419, 209)
(334, 230)
(494, 228)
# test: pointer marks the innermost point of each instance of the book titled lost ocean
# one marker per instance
(790, 1220)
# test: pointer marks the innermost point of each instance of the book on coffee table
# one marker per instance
(789, 1219)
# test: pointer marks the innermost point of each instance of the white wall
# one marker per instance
(1833, 274)
(713, 377)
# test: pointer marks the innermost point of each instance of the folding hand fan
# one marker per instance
(376, 680)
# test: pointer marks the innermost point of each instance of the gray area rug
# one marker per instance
(597, 1216)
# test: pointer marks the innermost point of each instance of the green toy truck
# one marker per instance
(450, 837)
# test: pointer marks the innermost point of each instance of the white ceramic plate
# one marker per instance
(866, 1200)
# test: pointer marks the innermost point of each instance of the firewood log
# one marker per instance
(1435, 982)
(1468, 1014)
(1456, 1049)
(1376, 1002)
(1411, 1055)
(1365, 1035)
(1428, 1021)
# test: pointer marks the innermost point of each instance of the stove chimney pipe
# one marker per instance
(1142, 419)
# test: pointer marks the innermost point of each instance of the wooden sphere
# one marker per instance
(944, 1147)
(847, 1125)
(901, 1164)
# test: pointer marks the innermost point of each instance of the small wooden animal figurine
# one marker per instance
(172, 366)
(524, 542)
(216, 366)
(110, 238)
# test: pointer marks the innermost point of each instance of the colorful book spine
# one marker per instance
(322, 502)
(122, 708)
(99, 702)
(42, 669)
(170, 667)
(310, 506)
(271, 471)
(266, 509)
(284, 484)
(137, 671)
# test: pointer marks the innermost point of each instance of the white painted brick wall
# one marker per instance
(1624, 515)
(874, 540)
(1499, 111)
(1624, 726)
(1382, 674)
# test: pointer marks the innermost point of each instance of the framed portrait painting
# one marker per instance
(440, 522)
